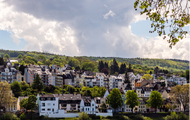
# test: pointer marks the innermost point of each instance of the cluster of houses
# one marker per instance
(68, 105)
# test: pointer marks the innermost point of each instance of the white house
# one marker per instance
(88, 105)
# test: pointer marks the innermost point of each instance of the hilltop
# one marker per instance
(173, 65)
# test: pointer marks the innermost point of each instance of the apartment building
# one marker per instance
(32, 70)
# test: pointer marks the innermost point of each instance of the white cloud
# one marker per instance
(15, 39)
(110, 13)
(76, 28)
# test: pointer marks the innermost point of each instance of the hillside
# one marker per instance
(172, 65)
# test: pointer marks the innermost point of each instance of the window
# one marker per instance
(86, 109)
(92, 109)
(49, 104)
(48, 109)
(53, 104)
(43, 104)
(43, 109)
(92, 104)
(52, 110)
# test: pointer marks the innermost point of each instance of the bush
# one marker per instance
(174, 116)
(139, 117)
(83, 116)
(22, 116)
(9, 116)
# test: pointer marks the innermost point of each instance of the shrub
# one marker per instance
(9, 116)
(83, 116)
(139, 117)
(174, 116)
(22, 116)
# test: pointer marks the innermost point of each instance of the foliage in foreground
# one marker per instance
(9, 116)
(83, 116)
(174, 116)
(139, 117)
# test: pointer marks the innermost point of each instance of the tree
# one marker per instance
(131, 99)
(122, 68)
(103, 107)
(29, 103)
(161, 11)
(127, 79)
(16, 88)
(187, 74)
(114, 67)
(180, 94)
(6, 98)
(161, 78)
(171, 106)
(24, 85)
(47, 62)
(115, 99)
(130, 68)
(155, 100)
(83, 116)
(100, 65)
(105, 71)
(19, 56)
(147, 77)
(106, 65)
(21, 68)
(89, 66)
(6, 56)
(37, 84)
(74, 63)
(156, 70)
(2, 61)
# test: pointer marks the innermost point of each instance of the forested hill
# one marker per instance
(169, 64)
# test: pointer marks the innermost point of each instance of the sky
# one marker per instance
(105, 28)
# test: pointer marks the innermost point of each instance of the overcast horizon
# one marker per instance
(108, 28)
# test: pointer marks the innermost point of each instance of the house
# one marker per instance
(68, 79)
(88, 105)
(100, 77)
(57, 77)
(57, 105)
(142, 107)
(69, 102)
(99, 101)
(115, 82)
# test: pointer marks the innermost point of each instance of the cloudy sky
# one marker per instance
(83, 27)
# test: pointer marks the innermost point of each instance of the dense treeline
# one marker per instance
(139, 65)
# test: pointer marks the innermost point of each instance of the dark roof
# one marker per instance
(87, 99)
(46, 96)
(89, 73)
(68, 96)
(67, 67)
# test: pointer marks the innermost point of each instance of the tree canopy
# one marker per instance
(147, 77)
(115, 99)
(155, 100)
(172, 14)
(180, 94)
(29, 103)
(37, 83)
(131, 99)
(6, 97)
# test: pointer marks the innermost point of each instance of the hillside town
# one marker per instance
(69, 104)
